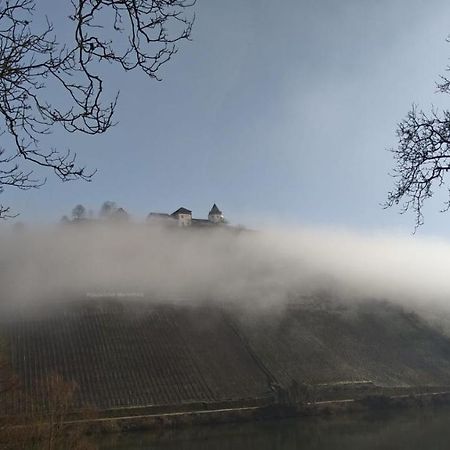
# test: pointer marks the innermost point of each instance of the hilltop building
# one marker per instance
(183, 218)
(215, 215)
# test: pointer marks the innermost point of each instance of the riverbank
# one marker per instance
(370, 403)
(141, 365)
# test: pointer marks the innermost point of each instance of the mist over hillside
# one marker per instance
(164, 317)
(255, 269)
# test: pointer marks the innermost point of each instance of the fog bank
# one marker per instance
(262, 268)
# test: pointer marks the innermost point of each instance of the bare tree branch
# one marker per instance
(422, 160)
(132, 34)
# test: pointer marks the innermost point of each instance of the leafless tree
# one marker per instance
(79, 212)
(107, 209)
(422, 157)
(49, 424)
(130, 34)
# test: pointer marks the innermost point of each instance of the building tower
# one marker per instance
(215, 215)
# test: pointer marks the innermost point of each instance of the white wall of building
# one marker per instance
(215, 218)
(184, 220)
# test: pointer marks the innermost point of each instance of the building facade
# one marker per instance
(183, 218)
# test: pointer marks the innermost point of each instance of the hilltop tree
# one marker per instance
(422, 157)
(79, 212)
(110, 211)
(107, 209)
(34, 64)
(120, 215)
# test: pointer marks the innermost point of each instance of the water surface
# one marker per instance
(412, 430)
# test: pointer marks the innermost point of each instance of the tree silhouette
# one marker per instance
(79, 212)
(130, 34)
(108, 207)
(422, 157)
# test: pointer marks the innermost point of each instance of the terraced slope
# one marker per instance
(137, 355)
(376, 342)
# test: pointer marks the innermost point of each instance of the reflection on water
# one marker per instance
(412, 430)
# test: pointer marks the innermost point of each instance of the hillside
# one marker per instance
(375, 342)
(163, 357)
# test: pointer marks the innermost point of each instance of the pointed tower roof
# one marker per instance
(215, 210)
(181, 211)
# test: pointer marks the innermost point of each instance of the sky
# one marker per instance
(279, 112)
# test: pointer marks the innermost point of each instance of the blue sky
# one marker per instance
(276, 111)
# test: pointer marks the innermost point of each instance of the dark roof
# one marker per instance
(202, 222)
(215, 210)
(158, 215)
(181, 211)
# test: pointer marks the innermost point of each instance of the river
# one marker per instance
(393, 430)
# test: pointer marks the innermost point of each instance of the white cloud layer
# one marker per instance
(251, 268)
